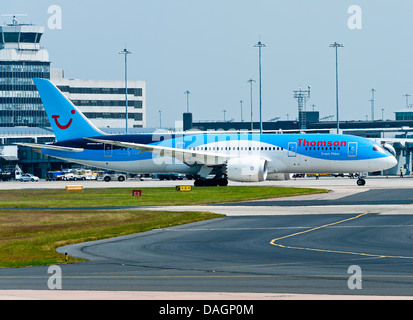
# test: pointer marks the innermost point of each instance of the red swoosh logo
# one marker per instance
(59, 125)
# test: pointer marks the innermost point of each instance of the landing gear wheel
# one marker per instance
(211, 182)
(361, 182)
(222, 182)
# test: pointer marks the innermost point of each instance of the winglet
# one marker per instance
(67, 121)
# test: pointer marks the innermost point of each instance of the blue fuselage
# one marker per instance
(284, 152)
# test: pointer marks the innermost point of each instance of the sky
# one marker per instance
(207, 48)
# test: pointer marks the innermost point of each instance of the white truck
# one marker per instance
(111, 175)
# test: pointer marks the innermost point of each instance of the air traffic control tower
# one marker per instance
(21, 59)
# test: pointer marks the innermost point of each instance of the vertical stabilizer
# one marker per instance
(67, 121)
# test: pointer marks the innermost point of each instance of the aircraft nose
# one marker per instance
(392, 161)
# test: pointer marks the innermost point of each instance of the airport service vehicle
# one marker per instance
(111, 175)
(66, 176)
(14, 174)
(84, 174)
(53, 175)
(28, 177)
(223, 156)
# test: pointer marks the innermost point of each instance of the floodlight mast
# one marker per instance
(252, 124)
(260, 45)
(407, 100)
(372, 103)
(224, 111)
(187, 100)
(302, 97)
(337, 45)
(242, 119)
(126, 52)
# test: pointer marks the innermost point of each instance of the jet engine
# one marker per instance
(247, 169)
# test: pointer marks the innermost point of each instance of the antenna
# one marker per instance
(407, 99)
(14, 15)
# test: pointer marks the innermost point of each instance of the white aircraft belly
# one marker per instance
(138, 166)
(304, 164)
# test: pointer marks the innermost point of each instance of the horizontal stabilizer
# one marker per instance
(49, 146)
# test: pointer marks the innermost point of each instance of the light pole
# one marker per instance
(242, 120)
(337, 45)
(160, 119)
(187, 100)
(251, 81)
(224, 111)
(126, 52)
(260, 45)
(407, 100)
(372, 104)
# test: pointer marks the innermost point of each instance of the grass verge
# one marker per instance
(119, 197)
(30, 237)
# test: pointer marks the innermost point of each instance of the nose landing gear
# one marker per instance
(361, 182)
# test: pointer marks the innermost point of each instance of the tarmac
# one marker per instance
(171, 296)
(340, 188)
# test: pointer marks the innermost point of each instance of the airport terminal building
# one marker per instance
(103, 101)
(21, 59)
(22, 115)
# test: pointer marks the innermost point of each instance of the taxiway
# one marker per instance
(269, 248)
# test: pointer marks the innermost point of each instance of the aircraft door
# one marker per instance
(352, 149)
(107, 149)
(292, 149)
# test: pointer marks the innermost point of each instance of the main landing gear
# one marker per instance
(361, 182)
(222, 182)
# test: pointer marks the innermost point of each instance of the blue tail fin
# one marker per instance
(67, 121)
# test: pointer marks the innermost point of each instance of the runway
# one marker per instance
(274, 249)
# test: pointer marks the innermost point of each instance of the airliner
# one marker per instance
(215, 158)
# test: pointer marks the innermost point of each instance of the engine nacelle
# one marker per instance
(247, 169)
(278, 176)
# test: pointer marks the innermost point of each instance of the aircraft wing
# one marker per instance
(48, 146)
(189, 157)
